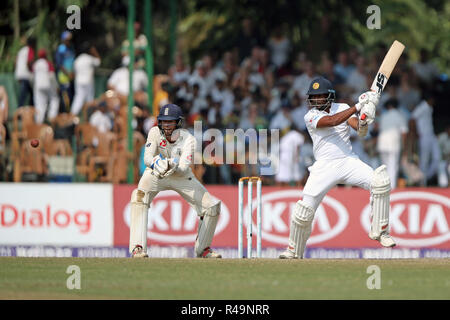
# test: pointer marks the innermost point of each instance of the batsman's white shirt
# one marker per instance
(331, 142)
(336, 163)
(182, 180)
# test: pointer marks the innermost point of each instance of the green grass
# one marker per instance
(234, 279)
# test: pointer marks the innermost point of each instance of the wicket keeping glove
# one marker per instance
(159, 166)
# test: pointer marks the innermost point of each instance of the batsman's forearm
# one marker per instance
(343, 115)
(337, 118)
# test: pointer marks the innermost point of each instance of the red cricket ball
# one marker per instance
(34, 143)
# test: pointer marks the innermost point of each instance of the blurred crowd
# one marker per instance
(259, 83)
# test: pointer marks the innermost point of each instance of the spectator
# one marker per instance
(100, 118)
(228, 64)
(389, 92)
(279, 96)
(84, 77)
(23, 72)
(213, 114)
(327, 70)
(160, 92)
(253, 119)
(222, 94)
(282, 119)
(425, 69)
(139, 45)
(249, 75)
(179, 72)
(199, 76)
(298, 113)
(407, 93)
(393, 128)
(289, 163)
(298, 66)
(444, 166)
(301, 83)
(428, 143)
(64, 59)
(266, 68)
(306, 158)
(279, 47)
(45, 88)
(119, 79)
(199, 102)
(212, 72)
(184, 91)
(248, 37)
(4, 106)
(356, 80)
(343, 68)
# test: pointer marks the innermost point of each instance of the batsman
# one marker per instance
(168, 156)
(329, 125)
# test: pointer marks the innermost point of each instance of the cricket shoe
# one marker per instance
(209, 253)
(288, 254)
(138, 252)
(385, 240)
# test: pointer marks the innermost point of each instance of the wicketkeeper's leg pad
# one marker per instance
(379, 201)
(301, 226)
(140, 203)
(206, 228)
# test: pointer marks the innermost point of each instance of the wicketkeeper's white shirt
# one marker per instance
(183, 148)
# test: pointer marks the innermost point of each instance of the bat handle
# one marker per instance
(363, 116)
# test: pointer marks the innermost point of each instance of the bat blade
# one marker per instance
(387, 66)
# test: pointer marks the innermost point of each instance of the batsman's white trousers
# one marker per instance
(187, 186)
(325, 174)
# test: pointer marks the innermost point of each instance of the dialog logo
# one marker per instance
(172, 220)
(416, 219)
(330, 219)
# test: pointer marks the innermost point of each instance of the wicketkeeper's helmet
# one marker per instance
(171, 112)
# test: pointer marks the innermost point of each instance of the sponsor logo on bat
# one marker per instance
(380, 82)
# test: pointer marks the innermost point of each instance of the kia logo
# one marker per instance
(166, 214)
(273, 208)
(417, 219)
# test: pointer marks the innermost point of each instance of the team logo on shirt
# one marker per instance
(315, 85)
(163, 143)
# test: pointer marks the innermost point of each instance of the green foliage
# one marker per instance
(212, 26)
(415, 24)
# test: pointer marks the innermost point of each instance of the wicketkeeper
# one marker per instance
(169, 152)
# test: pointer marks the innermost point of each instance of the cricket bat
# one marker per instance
(386, 68)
